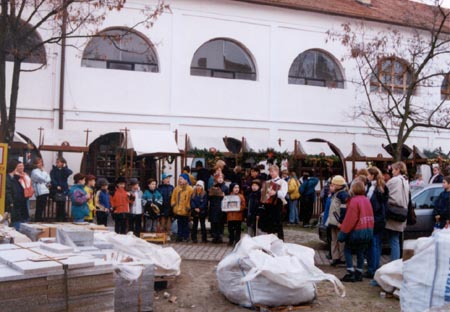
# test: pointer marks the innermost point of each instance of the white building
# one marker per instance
(255, 42)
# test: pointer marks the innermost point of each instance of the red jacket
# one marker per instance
(120, 201)
(358, 221)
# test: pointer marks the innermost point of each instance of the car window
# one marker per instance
(426, 199)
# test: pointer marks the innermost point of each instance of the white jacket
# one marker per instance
(40, 179)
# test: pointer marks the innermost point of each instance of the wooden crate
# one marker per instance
(155, 237)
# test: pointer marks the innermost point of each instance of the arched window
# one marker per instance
(25, 46)
(445, 88)
(316, 68)
(391, 73)
(119, 48)
(223, 58)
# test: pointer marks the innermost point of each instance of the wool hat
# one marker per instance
(257, 182)
(338, 180)
(232, 185)
(186, 177)
(200, 183)
(165, 175)
(133, 181)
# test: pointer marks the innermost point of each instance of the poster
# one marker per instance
(3, 161)
(231, 203)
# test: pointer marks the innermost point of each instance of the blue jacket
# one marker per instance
(78, 199)
(308, 188)
(199, 201)
(149, 198)
(166, 191)
(59, 178)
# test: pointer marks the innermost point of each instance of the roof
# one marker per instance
(397, 12)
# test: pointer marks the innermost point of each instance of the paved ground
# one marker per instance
(216, 252)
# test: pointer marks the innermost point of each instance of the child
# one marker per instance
(441, 211)
(102, 202)
(79, 199)
(235, 218)
(89, 189)
(199, 207)
(120, 202)
(254, 202)
(356, 231)
(153, 202)
(135, 208)
(166, 190)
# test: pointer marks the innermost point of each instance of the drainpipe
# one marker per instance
(62, 68)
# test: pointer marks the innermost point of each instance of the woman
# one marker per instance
(378, 195)
(59, 175)
(16, 202)
(398, 188)
(294, 195)
(41, 184)
(356, 231)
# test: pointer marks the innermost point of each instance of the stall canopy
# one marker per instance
(314, 148)
(152, 142)
(370, 151)
(205, 142)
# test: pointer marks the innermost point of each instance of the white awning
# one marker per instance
(205, 142)
(315, 148)
(371, 150)
(152, 142)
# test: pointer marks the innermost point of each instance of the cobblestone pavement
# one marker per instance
(216, 252)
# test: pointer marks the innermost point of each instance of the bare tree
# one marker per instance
(400, 70)
(58, 20)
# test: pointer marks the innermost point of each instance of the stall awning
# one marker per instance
(205, 142)
(370, 150)
(152, 142)
(314, 148)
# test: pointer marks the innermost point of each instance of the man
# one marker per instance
(437, 175)
(307, 198)
(273, 199)
(180, 202)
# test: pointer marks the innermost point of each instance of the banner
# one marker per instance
(3, 173)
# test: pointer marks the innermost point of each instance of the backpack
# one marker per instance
(78, 197)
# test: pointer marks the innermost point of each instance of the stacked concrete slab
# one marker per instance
(61, 282)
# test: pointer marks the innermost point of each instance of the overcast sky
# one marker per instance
(445, 3)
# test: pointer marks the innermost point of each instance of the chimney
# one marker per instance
(366, 2)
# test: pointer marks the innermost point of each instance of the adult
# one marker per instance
(41, 184)
(217, 218)
(203, 174)
(166, 190)
(59, 175)
(79, 198)
(398, 188)
(437, 175)
(274, 193)
(15, 202)
(378, 195)
(307, 198)
(181, 203)
(294, 195)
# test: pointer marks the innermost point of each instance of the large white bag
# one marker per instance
(426, 276)
(264, 270)
(390, 276)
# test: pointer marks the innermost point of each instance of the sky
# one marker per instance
(445, 3)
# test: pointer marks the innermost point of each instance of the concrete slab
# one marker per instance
(77, 262)
(30, 267)
(56, 248)
(14, 255)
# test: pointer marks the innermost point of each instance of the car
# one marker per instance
(423, 202)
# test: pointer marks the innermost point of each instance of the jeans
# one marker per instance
(183, 228)
(394, 243)
(360, 251)
(293, 211)
(374, 254)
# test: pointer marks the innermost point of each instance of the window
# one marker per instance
(223, 58)
(391, 73)
(445, 88)
(29, 49)
(120, 49)
(316, 68)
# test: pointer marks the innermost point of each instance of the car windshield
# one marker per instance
(415, 189)
(425, 198)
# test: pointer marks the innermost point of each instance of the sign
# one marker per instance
(231, 203)
(3, 173)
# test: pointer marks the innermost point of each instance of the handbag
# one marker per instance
(396, 213)
(411, 218)
(59, 197)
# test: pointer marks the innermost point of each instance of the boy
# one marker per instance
(120, 202)
(235, 218)
(102, 202)
(254, 203)
(166, 190)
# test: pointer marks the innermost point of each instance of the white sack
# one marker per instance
(264, 270)
(390, 276)
(426, 276)
(166, 260)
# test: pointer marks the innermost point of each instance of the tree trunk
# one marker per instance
(3, 111)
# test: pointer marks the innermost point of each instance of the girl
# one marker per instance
(199, 207)
(89, 189)
(79, 198)
(235, 218)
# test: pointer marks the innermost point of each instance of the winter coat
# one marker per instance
(40, 179)
(398, 196)
(293, 188)
(103, 200)
(137, 205)
(308, 187)
(120, 201)
(91, 202)
(338, 207)
(199, 200)
(149, 198)
(379, 201)
(166, 191)
(442, 208)
(215, 197)
(15, 201)
(181, 200)
(254, 202)
(79, 201)
(59, 178)
(237, 215)
(357, 227)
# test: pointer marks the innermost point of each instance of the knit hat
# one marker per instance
(186, 177)
(200, 183)
(133, 181)
(232, 185)
(165, 175)
(257, 182)
(338, 180)
(121, 180)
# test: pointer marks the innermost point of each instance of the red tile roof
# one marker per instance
(398, 12)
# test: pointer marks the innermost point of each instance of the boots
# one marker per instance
(358, 276)
(349, 277)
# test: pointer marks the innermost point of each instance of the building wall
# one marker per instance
(266, 109)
